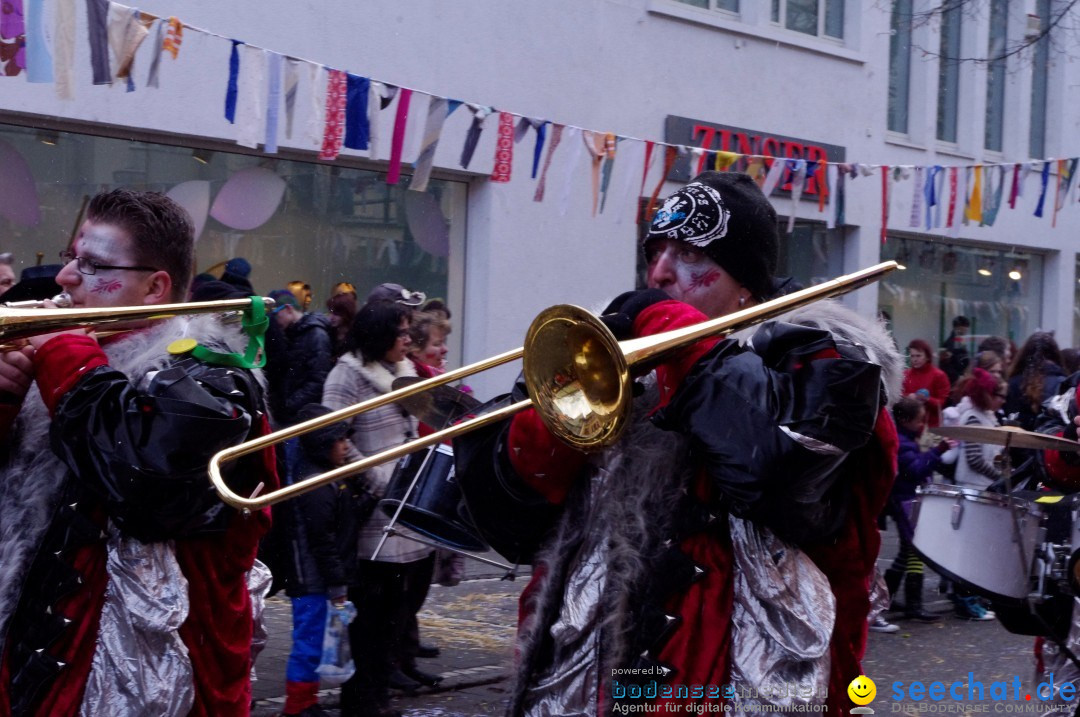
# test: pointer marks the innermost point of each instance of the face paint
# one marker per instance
(106, 286)
(705, 279)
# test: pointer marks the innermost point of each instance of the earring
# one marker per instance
(742, 301)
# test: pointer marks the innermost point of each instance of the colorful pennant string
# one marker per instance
(393, 173)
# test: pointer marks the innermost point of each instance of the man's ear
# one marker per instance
(159, 287)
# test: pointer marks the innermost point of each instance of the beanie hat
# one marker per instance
(283, 298)
(238, 267)
(725, 215)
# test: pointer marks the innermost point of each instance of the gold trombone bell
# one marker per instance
(578, 377)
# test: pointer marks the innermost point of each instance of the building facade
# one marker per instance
(820, 80)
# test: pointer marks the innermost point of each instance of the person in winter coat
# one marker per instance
(986, 395)
(1033, 377)
(321, 526)
(914, 467)
(386, 587)
(729, 537)
(926, 382)
(308, 357)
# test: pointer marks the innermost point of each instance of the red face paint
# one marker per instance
(705, 279)
(106, 286)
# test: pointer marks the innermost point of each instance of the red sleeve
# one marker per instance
(939, 388)
(1059, 471)
(545, 463)
(60, 362)
(668, 316)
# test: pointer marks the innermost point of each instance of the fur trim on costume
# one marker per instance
(624, 511)
(32, 481)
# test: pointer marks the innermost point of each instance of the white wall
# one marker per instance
(611, 65)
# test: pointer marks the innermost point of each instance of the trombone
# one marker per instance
(19, 320)
(578, 377)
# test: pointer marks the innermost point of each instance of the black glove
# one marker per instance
(620, 314)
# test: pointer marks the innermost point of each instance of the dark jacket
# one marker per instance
(300, 367)
(1019, 404)
(914, 465)
(321, 526)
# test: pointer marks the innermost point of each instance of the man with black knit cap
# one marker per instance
(722, 550)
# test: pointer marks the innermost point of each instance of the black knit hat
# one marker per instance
(725, 215)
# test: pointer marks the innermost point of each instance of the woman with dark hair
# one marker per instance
(341, 311)
(377, 353)
(924, 382)
(1034, 377)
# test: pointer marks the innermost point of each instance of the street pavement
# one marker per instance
(473, 623)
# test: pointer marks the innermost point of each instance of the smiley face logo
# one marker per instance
(862, 690)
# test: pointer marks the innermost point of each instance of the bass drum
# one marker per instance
(968, 536)
(436, 508)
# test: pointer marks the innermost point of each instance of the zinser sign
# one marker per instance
(725, 138)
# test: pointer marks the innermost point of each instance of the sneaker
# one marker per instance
(969, 608)
(880, 624)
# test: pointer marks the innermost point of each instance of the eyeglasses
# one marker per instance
(90, 267)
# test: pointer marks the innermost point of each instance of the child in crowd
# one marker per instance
(321, 526)
(915, 467)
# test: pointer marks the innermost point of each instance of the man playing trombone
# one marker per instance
(722, 549)
(122, 575)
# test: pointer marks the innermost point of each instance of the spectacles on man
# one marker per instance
(88, 266)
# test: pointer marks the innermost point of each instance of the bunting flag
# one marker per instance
(438, 110)
(250, 111)
(756, 169)
(504, 149)
(961, 198)
(231, 90)
(576, 150)
(798, 181)
(1066, 169)
(155, 62)
(722, 161)
(318, 82)
(884, 201)
(952, 196)
(174, 36)
(822, 186)
(39, 61)
(127, 30)
(1014, 191)
(992, 195)
(919, 185)
(522, 129)
(556, 136)
(1042, 192)
(393, 173)
(275, 64)
(472, 136)
(649, 146)
(594, 143)
(776, 171)
(832, 180)
(382, 95)
(292, 84)
(334, 122)
(64, 48)
(930, 197)
(13, 31)
(97, 21)
(357, 128)
(610, 144)
(974, 205)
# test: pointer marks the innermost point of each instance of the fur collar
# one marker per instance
(378, 374)
(33, 480)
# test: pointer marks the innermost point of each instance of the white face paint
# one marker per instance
(104, 244)
(687, 274)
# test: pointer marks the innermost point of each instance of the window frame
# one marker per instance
(953, 67)
(905, 104)
(996, 82)
(778, 19)
(712, 6)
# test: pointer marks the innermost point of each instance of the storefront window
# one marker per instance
(291, 220)
(996, 288)
(810, 254)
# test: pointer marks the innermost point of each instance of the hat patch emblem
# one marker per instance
(695, 214)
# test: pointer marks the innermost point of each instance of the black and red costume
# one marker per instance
(675, 551)
(105, 477)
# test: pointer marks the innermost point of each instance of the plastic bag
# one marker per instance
(336, 665)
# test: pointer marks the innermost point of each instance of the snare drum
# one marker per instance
(435, 508)
(969, 536)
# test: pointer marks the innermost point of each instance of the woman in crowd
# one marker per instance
(428, 351)
(377, 353)
(925, 382)
(341, 311)
(1033, 378)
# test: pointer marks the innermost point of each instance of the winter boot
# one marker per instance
(913, 586)
(892, 582)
